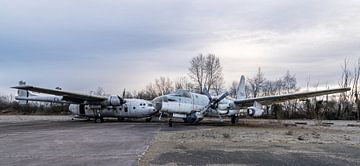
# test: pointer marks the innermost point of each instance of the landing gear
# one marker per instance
(88, 118)
(99, 119)
(97, 116)
(233, 119)
(170, 122)
(148, 119)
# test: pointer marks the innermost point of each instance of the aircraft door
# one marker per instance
(82, 109)
(125, 109)
(193, 101)
(180, 101)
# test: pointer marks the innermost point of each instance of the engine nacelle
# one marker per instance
(254, 112)
(115, 101)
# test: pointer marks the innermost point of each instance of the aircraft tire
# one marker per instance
(148, 119)
(170, 122)
(233, 120)
(99, 120)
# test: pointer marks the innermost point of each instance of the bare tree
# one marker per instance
(197, 71)
(129, 94)
(272, 87)
(355, 88)
(218, 86)
(206, 71)
(279, 84)
(346, 80)
(256, 83)
(213, 72)
(183, 83)
(289, 82)
(163, 85)
(233, 89)
(21, 82)
(150, 92)
(99, 91)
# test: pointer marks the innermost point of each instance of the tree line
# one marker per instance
(205, 71)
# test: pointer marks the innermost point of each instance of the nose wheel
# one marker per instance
(148, 119)
(99, 119)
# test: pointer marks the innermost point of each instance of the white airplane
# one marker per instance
(193, 107)
(90, 106)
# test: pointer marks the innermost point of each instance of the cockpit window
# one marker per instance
(150, 105)
(181, 93)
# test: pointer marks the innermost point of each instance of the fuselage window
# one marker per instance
(150, 105)
(134, 107)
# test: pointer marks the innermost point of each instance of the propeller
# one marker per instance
(213, 103)
(122, 101)
(123, 95)
(123, 98)
(221, 97)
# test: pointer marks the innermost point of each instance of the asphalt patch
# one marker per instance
(316, 155)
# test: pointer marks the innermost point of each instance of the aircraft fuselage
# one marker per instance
(184, 104)
(133, 108)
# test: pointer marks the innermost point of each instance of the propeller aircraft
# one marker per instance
(193, 107)
(90, 106)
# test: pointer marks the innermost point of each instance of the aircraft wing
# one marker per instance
(66, 96)
(281, 98)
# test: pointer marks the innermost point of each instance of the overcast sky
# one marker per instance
(82, 44)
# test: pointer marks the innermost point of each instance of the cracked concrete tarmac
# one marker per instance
(57, 140)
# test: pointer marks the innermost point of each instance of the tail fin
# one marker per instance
(241, 89)
(23, 93)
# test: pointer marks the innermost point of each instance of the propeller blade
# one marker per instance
(224, 95)
(123, 94)
(214, 104)
(121, 100)
(221, 97)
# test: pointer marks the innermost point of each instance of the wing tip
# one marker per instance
(21, 87)
(345, 89)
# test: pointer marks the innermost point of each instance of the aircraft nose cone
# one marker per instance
(158, 102)
(158, 106)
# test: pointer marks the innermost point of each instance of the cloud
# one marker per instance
(115, 44)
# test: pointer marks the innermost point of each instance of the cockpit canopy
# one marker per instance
(181, 93)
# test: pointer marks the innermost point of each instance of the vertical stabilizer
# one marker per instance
(241, 89)
(23, 93)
